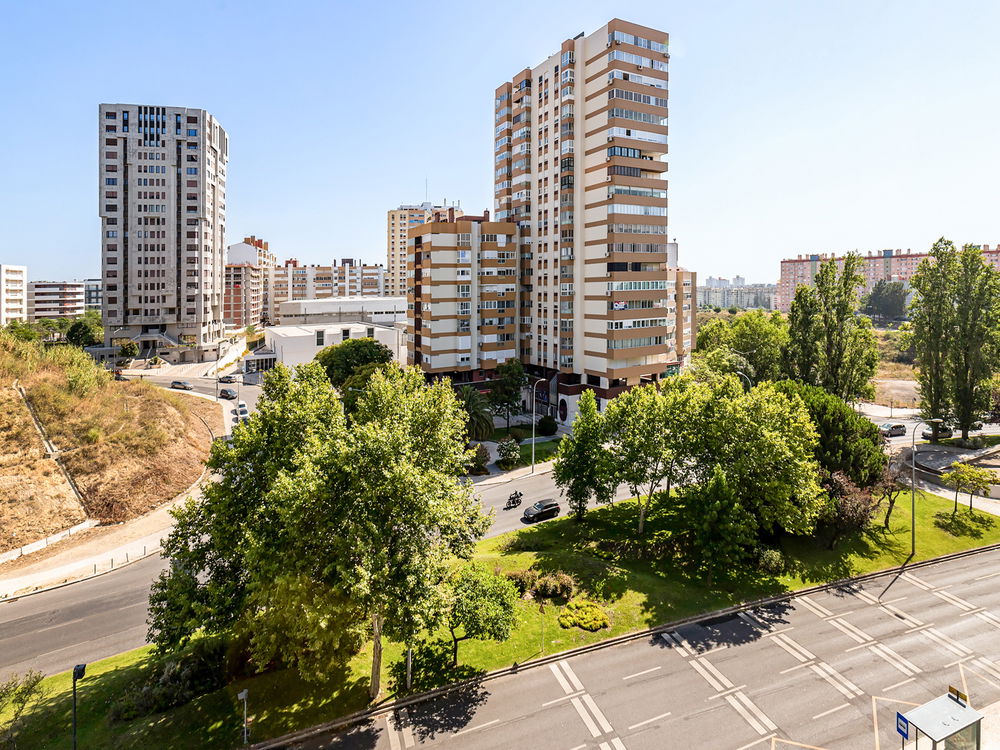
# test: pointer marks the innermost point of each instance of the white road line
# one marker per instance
(917, 582)
(604, 746)
(476, 728)
(751, 620)
(954, 600)
(990, 618)
(983, 578)
(617, 744)
(913, 622)
(799, 647)
(816, 609)
(562, 680)
(578, 747)
(938, 638)
(898, 684)
(605, 724)
(756, 742)
(797, 666)
(571, 674)
(795, 654)
(704, 673)
(894, 659)
(753, 708)
(987, 666)
(649, 721)
(852, 632)
(711, 668)
(560, 699)
(747, 716)
(405, 728)
(391, 731)
(846, 688)
(640, 674)
(594, 731)
(866, 597)
(726, 692)
(676, 641)
(832, 710)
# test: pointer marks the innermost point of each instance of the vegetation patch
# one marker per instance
(585, 615)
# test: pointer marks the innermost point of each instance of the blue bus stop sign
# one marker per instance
(902, 726)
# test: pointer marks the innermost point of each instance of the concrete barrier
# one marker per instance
(43, 543)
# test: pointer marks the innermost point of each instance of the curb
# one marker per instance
(287, 741)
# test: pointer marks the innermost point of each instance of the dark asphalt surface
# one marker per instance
(826, 671)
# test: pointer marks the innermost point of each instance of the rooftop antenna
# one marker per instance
(425, 190)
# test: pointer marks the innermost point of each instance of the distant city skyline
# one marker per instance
(794, 128)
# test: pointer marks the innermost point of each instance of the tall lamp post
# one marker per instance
(913, 483)
(744, 376)
(533, 386)
(78, 671)
(242, 695)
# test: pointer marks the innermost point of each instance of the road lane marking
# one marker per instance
(751, 620)
(747, 716)
(562, 680)
(989, 618)
(601, 719)
(866, 597)
(617, 744)
(560, 699)
(708, 677)
(843, 685)
(649, 721)
(892, 658)
(898, 684)
(938, 638)
(594, 731)
(916, 581)
(983, 578)
(799, 652)
(578, 747)
(571, 674)
(726, 692)
(676, 641)
(405, 729)
(391, 731)
(797, 666)
(832, 710)
(756, 742)
(817, 609)
(711, 668)
(640, 674)
(954, 600)
(752, 707)
(475, 728)
(913, 622)
(854, 633)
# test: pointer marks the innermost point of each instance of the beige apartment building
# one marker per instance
(880, 265)
(579, 164)
(13, 293)
(398, 222)
(56, 299)
(162, 198)
(292, 281)
(245, 299)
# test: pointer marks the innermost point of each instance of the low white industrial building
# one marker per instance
(385, 310)
(295, 345)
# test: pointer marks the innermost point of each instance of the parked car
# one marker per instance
(119, 376)
(242, 413)
(889, 430)
(182, 385)
(943, 432)
(227, 393)
(541, 510)
(227, 379)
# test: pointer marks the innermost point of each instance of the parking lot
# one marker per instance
(826, 671)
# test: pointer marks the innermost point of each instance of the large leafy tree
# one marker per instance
(886, 300)
(482, 607)
(505, 390)
(341, 360)
(477, 409)
(582, 467)
(757, 336)
(848, 442)
(355, 385)
(932, 313)
(804, 353)
(85, 332)
(974, 341)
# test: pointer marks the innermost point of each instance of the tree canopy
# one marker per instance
(886, 301)
(341, 360)
(758, 337)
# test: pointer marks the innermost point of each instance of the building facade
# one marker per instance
(93, 294)
(13, 293)
(599, 301)
(880, 265)
(747, 296)
(384, 310)
(162, 198)
(292, 281)
(56, 299)
(398, 222)
(243, 300)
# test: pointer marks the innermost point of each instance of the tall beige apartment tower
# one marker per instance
(162, 195)
(579, 167)
(398, 221)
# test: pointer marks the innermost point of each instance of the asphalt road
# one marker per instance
(207, 387)
(103, 616)
(826, 671)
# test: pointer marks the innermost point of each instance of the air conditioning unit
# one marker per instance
(611, 137)
(638, 67)
(618, 41)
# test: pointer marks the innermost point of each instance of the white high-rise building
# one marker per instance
(163, 213)
(13, 293)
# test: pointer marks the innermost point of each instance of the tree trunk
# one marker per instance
(970, 500)
(888, 512)
(642, 516)
(454, 647)
(376, 679)
(956, 502)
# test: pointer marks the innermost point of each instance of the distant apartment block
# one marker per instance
(747, 296)
(292, 281)
(245, 298)
(162, 200)
(56, 299)
(13, 293)
(93, 294)
(880, 265)
(398, 222)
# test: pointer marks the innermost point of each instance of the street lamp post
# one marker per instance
(242, 695)
(533, 386)
(78, 671)
(913, 483)
(744, 376)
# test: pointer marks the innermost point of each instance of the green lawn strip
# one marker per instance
(543, 452)
(988, 441)
(636, 594)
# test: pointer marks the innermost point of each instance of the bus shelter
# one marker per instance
(945, 723)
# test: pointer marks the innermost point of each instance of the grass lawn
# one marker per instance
(543, 452)
(988, 441)
(499, 433)
(636, 590)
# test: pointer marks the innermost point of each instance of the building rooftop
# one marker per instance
(311, 328)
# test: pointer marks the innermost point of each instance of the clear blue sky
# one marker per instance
(794, 126)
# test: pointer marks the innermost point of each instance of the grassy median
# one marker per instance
(636, 591)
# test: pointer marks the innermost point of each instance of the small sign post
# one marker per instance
(902, 726)
(958, 696)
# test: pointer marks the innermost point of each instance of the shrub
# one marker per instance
(524, 580)
(93, 435)
(509, 452)
(518, 434)
(479, 460)
(771, 561)
(554, 586)
(585, 615)
(174, 680)
(547, 426)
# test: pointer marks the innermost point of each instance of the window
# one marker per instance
(110, 180)
(370, 333)
(192, 170)
(345, 333)
(320, 337)
(110, 115)
(192, 131)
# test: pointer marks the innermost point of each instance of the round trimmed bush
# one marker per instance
(516, 433)
(509, 452)
(585, 615)
(523, 580)
(771, 561)
(547, 426)
(554, 586)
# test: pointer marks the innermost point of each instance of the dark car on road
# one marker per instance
(943, 432)
(541, 510)
(228, 393)
(182, 385)
(227, 379)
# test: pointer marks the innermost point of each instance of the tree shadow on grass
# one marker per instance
(432, 667)
(965, 524)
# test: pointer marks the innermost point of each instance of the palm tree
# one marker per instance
(477, 406)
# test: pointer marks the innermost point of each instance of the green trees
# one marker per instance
(129, 350)
(720, 529)
(886, 300)
(341, 360)
(956, 332)
(482, 607)
(85, 333)
(355, 385)
(505, 393)
(477, 410)
(18, 694)
(757, 336)
(972, 479)
(804, 352)
(582, 469)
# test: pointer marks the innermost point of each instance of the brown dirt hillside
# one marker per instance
(128, 445)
